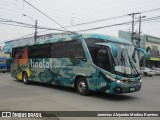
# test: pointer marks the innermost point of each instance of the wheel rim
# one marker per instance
(25, 78)
(82, 86)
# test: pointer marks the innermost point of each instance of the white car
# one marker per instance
(147, 71)
(156, 70)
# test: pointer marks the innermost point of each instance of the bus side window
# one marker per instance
(14, 52)
(45, 51)
(74, 49)
(103, 59)
(93, 48)
(58, 50)
(20, 55)
(33, 52)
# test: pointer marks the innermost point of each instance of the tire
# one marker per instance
(3, 70)
(146, 74)
(25, 78)
(82, 87)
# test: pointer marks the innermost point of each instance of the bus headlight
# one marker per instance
(111, 78)
(118, 81)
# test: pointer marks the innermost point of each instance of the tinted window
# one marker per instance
(58, 50)
(45, 51)
(93, 48)
(33, 52)
(74, 49)
(15, 51)
(40, 51)
(104, 58)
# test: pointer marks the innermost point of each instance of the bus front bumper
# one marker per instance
(117, 88)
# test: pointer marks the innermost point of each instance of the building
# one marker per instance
(150, 43)
(7, 47)
(1, 48)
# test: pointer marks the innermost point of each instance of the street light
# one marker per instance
(34, 21)
(28, 17)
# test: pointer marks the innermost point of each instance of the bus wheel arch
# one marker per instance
(25, 78)
(81, 85)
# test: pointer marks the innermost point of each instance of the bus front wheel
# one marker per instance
(25, 78)
(82, 86)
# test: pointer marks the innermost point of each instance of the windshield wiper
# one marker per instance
(123, 61)
(133, 66)
(122, 58)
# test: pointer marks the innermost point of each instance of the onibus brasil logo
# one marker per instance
(22, 114)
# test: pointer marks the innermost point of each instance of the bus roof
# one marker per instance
(67, 37)
(107, 38)
(98, 36)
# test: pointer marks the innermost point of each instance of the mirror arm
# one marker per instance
(141, 50)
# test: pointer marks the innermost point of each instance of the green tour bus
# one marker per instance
(86, 62)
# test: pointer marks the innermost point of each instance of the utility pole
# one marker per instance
(140, 25)
(35, 21)
(35, 34)
(139, 41)
(140, 21)
(133, 16)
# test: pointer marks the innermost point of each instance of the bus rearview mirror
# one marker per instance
(141, 50)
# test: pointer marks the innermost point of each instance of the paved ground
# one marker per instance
(15, 95)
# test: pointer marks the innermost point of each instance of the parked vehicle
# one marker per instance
(156, 70)
(3, 66)
(5, 63)
(147, 71)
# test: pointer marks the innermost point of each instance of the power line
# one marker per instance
(10, 9)
(106, 19)
(32, 26)
(40, 27)
(46, 15)
(15, 25)
(125, 23)
(118, 24)
(151, 10)
(46, 28)
(152, 18)
(101, 20)
(96, 21)
(152, 22)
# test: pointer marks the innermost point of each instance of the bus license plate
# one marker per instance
(132, 89)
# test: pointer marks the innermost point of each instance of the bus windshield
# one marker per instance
(121, 64)
(124, 62)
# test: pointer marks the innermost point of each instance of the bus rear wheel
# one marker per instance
(25, 78)
(82, 86)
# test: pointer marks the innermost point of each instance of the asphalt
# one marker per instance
(16, 96)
